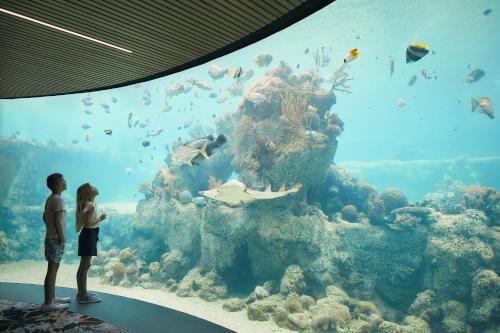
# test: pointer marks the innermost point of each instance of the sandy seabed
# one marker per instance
(34, 272)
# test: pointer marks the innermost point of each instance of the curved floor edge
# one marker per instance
(128, 313)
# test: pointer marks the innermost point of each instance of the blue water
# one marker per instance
(437, 122)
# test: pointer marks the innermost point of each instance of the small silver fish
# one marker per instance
(86, 126)
(391, 67)
(88, 112)
(412, 80)
(474, 76)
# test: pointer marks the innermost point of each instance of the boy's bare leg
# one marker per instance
(49, 285)
(81, 276)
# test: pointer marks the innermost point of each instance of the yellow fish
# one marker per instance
(484, 105)
(351, 55)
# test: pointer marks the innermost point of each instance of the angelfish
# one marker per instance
(484, 105)
(416, 51)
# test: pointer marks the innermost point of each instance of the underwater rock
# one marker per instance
(185, 197)
(335, 315)
(312, 120)
(425, 306)
(323, 99)
(292, 281)
(154, 271)
(454, 317)
(350, 213)
(300, 320)
(118, 273)
(485, 297)
(411, 324)
(307, 301)
(293, 305)
(234, 304)
(258, 312)
(261, 292)
(365, 308)
(174, 265)
(132, 273)
(336, 295)
(125, 255)
(207, 286)
(393, 198)
(486, 199)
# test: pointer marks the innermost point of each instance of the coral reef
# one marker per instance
(350, 213)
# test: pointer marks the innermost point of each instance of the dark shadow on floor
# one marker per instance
(128, 313)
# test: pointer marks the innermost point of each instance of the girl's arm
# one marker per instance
(90, 218)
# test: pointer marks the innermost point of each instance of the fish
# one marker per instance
(179, 127)
(474, 76)
(298, 66)
(130, 115)
(237, 72)
(166, 108)
(214, 115)
(88, 100)
(221, 99)
(88, 112)
(146, 143)
(113, 99)
(235, 89)
(87, 137)
(306, 51)
(263, 59)
(391, 67)
(105, 106)
(400, 102)
(487, 11)
(74, 141)
(136, 122)
(412, 80)
(157, 131)
(174, 89)
(107, 111)
(235, 193)
(86, 126)
(128, 170)
(256, 98)
(246, 76)
(483, 105)
(200, 84)
(108, 131)
(217, 72)
(424, 74)
(328, 115)
(187, 124)
(143, 125)
(416, 51)
(146, 100)
(353, 54)
(212, 95)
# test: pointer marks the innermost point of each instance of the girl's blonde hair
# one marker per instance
(84, 194)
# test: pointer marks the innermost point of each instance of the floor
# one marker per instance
(127, 313)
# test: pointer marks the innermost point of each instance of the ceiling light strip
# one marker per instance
(63, 30)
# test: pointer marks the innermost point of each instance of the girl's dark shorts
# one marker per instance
(87, 242)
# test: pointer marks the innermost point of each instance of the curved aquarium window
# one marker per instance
(340, 175)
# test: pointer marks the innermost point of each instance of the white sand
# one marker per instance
(34, 272)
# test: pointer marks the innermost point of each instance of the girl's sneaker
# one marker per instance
(89, 299)
(62, 300)
(54, 307)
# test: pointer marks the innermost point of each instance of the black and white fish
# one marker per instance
(412, 80)
(237, 72)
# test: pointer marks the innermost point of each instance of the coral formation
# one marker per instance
(185, 197)
(350, 213)
(292, 281)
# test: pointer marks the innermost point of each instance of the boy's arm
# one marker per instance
(58, 225)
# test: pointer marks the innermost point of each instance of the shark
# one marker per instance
(235, 193)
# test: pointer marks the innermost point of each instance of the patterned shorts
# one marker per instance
(53, 250)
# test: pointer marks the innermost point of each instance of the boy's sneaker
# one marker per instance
(88, 293)
(54, 307)
(62, 300)
(89, 299)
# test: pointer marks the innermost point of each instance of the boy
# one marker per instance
(54, 217)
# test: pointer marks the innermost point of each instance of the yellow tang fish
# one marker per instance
(351, 55)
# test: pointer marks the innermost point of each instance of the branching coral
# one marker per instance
(340, 79)
(293, 106)
(213, 182)
(321, 58)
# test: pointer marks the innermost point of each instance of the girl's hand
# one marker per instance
(102, 217)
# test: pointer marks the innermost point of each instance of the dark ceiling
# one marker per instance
(164, 36)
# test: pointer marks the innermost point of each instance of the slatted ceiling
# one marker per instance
(165, 36)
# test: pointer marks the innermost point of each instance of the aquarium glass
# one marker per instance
(340, 175)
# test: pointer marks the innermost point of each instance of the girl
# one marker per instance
(87, 223)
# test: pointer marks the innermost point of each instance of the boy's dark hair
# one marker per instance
(52, 181)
